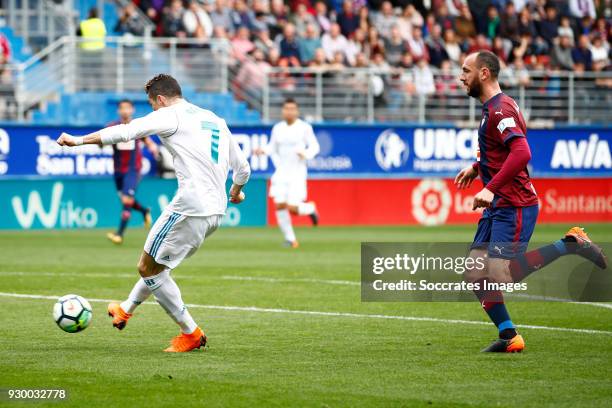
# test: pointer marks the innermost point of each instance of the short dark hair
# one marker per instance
(290, 100)
(93, 13)
(163, 84)
(125, 100)
(489, 60)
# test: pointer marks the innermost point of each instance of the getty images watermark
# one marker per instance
(450, 272)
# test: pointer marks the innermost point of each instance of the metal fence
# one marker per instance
(121, 66)
(425, 95)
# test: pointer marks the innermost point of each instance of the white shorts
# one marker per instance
(292, 192)
(175, 237)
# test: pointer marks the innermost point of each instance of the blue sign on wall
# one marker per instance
(346, 151)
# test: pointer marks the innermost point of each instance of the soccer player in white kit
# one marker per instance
(291, 145)
(203, 150)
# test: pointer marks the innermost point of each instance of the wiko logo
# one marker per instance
(62, 214)
(584, 154)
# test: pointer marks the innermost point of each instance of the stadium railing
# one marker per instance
(431, 95)
(121, 66)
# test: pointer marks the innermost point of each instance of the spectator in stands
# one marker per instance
(406, 62)
(153, 9)
(172, 20)
(548, 24)
(280, 17)
(581, 54)
(412, 15)
(93, 32)
(526, 26)
(446, 82)
(356, 46)
(561, 56)
(500, 49)
(348, 19)
(252, 74)
(374, 44)
(319, 61)
(492, 22)
(5, 59)
(221, 16)
(309, 43)
(385, 19)
(197, 22)
(333, 41)
(302, 18)
(364, 19)
(417, 46)
(242, 44)
(478, 11)
(464, 25)
(443, 18)
(599, 54)
(509, 23)
(603, 29)
(289, 47)
(435, 46)
(582, 8)
(395, 46)
(565, 28)
(423, 78)
(242, 16)
(517, 74)
(129, 22)
(451, 46)
(322, 17)
(263, 41)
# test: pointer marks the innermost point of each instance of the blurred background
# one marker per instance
(378, 80)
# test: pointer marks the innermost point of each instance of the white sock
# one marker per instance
(284, 222)
(306, 208)
(140, 292)
(168, 295)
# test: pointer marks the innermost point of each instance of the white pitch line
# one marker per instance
(332, 314)
(269, 280)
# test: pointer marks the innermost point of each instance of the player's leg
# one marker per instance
(297, 203)
(279, 192)
(492, 301)
(145, 211)
(575, 241)
(178, 239)
(115, 237)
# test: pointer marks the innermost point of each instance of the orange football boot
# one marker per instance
(514, 345)
(120, 317)
(187, 342)
(586, 248)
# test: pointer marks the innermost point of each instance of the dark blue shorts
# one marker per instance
(127, 183)
(505, 231)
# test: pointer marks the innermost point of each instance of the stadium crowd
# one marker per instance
(525, 34)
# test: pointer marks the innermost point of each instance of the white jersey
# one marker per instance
(203, 151)
(286, 142)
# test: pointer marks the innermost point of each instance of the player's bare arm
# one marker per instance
(466, 177)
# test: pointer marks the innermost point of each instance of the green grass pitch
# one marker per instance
(272, 356)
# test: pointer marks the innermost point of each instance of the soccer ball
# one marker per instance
(72, 313)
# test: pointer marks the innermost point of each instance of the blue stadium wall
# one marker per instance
(364, 175)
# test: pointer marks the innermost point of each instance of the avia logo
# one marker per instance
(390, 150)
(584, 154)
(431, 202)
(60, 213)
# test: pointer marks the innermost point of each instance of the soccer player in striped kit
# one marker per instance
(127, 158)
(509, 199)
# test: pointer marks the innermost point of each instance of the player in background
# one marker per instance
(204, 151)
(509, 200)
(291, 145)
(127, 158)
